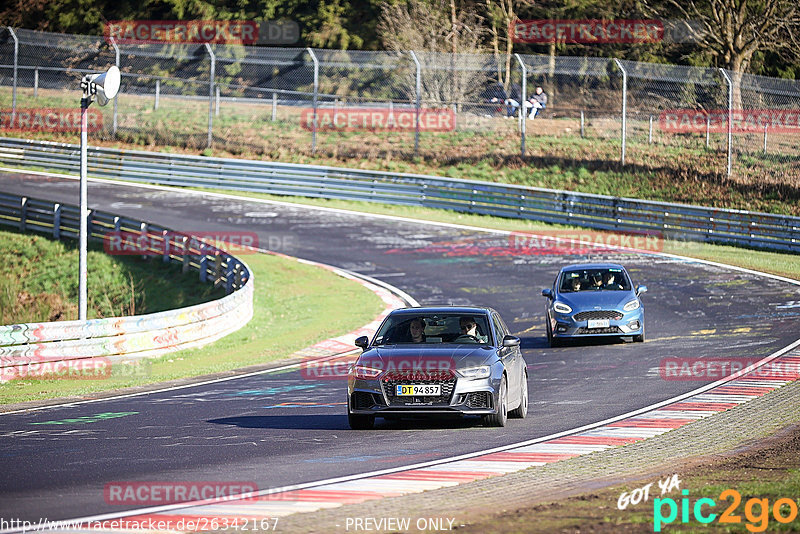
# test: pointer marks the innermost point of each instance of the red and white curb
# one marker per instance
(725, 394)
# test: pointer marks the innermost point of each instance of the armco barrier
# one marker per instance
(675, 221)
(24, 348)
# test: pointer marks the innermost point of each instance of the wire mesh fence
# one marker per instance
(381, 104)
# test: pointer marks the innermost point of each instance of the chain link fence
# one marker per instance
(455, 107)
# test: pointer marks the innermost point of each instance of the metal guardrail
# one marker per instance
(28, 348)
(600, 212)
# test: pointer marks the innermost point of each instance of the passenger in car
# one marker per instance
(575, 284)
(610, 281)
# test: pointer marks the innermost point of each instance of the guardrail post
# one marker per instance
(229, 275)
(89, 221)
(143, 233)
(729, 82)
(158, 93)
(522, 114)
(211, 93)
(624, 108)
(417, 92)
(56, 221)
(23, 213)
(14, 86)
(204, 268)
(314, 100)
(217, 268)
(117, 224)
(116, 62)
(186, 259)
(165, 237)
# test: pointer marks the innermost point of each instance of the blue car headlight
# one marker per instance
(632, 305)
(560, 307)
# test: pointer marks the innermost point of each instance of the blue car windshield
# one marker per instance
(608, 279)
(433, 328)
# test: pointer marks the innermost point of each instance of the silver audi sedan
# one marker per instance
(438, 361)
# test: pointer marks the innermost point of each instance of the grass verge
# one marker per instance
(296, 305)
(40, 282)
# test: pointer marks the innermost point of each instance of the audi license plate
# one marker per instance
(417, 390)
(599, 323)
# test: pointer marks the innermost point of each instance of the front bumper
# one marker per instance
(565, 326)
(462, 397)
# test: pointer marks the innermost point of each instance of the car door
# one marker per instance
(509, 356)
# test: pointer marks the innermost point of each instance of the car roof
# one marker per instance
(461, 310)
(577, 266)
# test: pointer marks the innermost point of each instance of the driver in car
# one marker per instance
(469, 329)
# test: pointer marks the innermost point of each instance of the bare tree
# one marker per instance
(446, 36)
(732, 31)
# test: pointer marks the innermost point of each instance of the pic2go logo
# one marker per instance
(756, 511)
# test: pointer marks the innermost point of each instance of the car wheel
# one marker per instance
(360, 422)
(639, 338)
(499, 418)
(551, 340)
(522, 410)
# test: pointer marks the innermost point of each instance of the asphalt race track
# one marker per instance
(280, 429)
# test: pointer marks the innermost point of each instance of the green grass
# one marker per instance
(40, 282)
(296, 305)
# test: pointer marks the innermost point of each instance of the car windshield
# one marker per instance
(605, 279)
(430, 328)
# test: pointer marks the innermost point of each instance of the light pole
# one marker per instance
(104, 87)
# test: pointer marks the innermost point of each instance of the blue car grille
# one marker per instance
(612, 315)
(609, 330)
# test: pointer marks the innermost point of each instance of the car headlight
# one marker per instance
(632, 305)
(476, 372)
(560, 307)
(366, 373)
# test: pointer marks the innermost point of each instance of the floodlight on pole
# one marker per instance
(104, 87)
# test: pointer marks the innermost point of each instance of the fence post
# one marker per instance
(583, 132)
(624, 107)
(216, 101)
(650, 133)
(158, 92)
(116, 62)
(314, 101)
(274, 107)
(417, 91)
(523, 97)
(708, 131)
(36, 82)
(211, 93)
(14, 90)
(730, 119)
(765, 139)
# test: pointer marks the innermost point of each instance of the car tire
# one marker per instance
(640, 337)
(500, 418)
(522, 410)
(551, 340)
(360, 422)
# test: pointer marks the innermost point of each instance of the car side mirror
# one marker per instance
(510, 341)
(547, 293)
(362, 342)
(641, 289)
